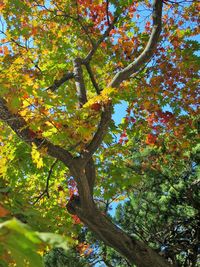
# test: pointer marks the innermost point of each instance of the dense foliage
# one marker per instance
(64, 160)
(161, 210)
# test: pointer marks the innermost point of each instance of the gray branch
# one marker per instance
(146, 55)
(79, 81)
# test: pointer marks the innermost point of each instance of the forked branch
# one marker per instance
(125, 74)
(46, 190)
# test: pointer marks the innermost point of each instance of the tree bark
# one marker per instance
(135, 251)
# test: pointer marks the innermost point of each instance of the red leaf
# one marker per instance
(96, 106)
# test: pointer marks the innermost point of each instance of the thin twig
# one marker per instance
(46, 190)
(107, 11)
(85, 29)
(58, 83)
(102, 38)
(89, 70)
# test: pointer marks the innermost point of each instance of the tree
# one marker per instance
(58, 257)
(170, 201)
(64, 65)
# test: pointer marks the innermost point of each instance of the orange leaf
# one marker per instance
(3, 211)
(150, 139)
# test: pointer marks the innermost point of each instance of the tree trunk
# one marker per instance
(135, 251)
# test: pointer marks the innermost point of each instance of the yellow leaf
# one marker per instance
(24, 112)
(50, 132)
(104, 97)
(28, 80)
(36, 156)
(19, 60)
(3, 166)
(108, 91)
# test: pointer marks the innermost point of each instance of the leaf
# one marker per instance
(23, 243)
(36, 156)
(19, 60)
(54, 240)
(3, 211)
(14, 104)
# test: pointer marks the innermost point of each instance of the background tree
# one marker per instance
(163, 211)
(64, 65)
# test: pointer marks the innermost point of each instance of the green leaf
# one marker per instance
(23, 243)
(55, 240)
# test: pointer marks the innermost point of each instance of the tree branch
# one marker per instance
(100, 133)
(20, 127)
(46, 190)
(124, 74)
(90, 172)
(96, 86)
(107, 11)
(58, 83)
(85, 29)
(79, 81)
(134, 250)
(102, 38)
(148, 51)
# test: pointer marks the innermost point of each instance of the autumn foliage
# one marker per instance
(65, 66)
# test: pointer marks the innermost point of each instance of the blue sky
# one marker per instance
(119, 112)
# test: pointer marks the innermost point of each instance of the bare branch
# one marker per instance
(148, 51)
(96, 86)
(79, 81)
(20, 127)
(46, 190)
(58, 83)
